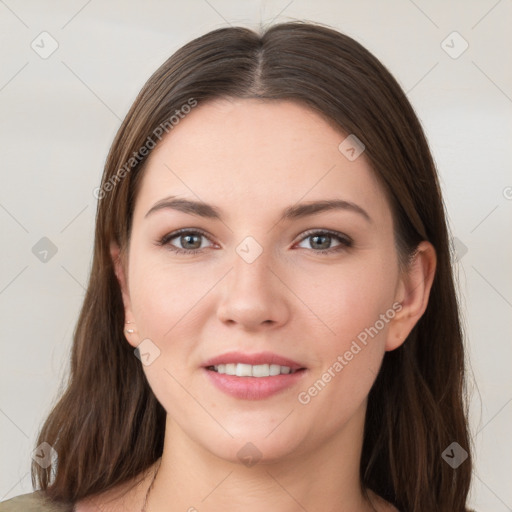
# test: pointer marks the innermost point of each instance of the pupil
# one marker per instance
(326, 244)
(321, 245)
(188, 238)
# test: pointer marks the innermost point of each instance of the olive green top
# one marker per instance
(33, 502)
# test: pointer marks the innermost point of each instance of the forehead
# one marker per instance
(252, 152)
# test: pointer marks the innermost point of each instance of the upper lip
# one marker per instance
(253, 359)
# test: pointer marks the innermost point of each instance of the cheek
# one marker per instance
(347, 299)
(164, 296)
(355, 307)
(165, 300)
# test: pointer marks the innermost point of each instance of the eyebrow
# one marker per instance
(295, 211)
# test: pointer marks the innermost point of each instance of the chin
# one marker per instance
(252, 452)
(253, 445)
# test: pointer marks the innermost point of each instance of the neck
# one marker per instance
(326, 477)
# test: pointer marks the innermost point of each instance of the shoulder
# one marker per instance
(33, 502)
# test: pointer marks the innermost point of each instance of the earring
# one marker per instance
(129, 331)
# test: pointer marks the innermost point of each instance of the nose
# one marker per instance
(254, 296)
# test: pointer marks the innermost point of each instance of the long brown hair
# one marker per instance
(108, 426)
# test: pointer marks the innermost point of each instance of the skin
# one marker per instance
(252, 159)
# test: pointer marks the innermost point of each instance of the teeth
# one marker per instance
(275, 369)
(243, 370)
(248, 370)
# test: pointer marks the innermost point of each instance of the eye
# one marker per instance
(190, 240)
(320, 241)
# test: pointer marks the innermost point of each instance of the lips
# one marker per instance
(243, 386)
(259, 358)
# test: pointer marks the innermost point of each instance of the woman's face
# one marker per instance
(319, 287)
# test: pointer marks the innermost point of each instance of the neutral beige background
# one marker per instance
(59, 115)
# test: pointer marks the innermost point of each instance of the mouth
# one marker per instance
(249, 370)
(253, 376)
(261, 364)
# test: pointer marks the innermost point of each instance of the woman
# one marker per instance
(270, 321)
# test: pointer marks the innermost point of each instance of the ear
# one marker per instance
(120, 268)
(412, 293)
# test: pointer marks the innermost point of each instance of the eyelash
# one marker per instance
(345, 241)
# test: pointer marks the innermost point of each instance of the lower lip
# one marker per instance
(254, 388)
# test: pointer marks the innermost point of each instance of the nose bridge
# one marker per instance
(253, 294)
(251, 265)
(251, 268)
